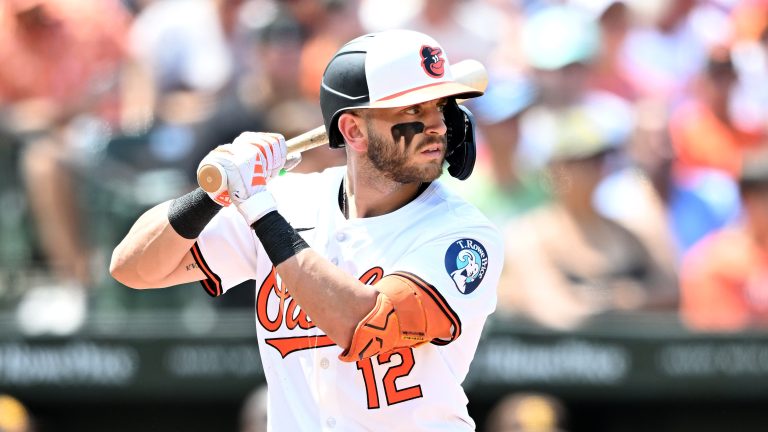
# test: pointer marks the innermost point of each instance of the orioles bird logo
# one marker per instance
(432, 61)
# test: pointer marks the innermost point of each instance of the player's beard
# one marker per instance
(386, 156)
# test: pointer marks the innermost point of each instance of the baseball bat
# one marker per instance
(213, 179)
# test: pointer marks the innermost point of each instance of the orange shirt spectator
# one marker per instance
(64, 51)
(724, 279)
(702, 131)
(702, 139)
(724, 282)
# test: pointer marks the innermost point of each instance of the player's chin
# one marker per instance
(430, 171)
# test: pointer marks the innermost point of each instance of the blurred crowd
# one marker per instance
(622, 144)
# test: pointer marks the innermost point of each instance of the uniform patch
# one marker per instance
(466, 261)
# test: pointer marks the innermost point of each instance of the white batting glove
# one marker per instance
(249, 163)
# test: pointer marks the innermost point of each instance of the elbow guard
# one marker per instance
(404, 316)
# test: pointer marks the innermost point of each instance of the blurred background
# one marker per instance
(621, 149)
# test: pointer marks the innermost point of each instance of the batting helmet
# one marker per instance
(398, 68)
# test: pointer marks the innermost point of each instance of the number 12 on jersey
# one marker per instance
(393, 394)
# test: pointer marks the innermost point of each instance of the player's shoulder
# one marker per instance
(463, 212)
(461, 218)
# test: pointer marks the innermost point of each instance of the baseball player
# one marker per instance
(373, 281)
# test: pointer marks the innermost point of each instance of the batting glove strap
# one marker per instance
(255, 207)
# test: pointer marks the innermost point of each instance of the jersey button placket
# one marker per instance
(326, 377)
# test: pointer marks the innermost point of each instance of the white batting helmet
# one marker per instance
(398, 68)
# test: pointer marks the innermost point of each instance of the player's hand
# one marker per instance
(249, 162)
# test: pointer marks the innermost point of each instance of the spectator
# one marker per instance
(184, 68)
(253, 413)
(195, 54)
(516, 115)
(560, 44)
(614, 20)
(468, 30)
(268, 95)
(724, 277)
(13, 415)
(565, 262)
(59, 95)
(670, 209)
(324, 32)
(527, 412)
(703, 131)
(498, 184)
(750, 59)
(663, 53)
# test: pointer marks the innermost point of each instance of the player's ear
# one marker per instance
(352, 127)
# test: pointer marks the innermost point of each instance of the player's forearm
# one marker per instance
(150, 252)
(334, 300)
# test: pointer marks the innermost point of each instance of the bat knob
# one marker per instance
(212, 178)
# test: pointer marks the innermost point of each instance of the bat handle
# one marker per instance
(213, 179)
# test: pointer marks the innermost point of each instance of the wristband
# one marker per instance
(190, 213)
(278, 237)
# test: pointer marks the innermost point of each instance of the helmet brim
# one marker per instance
(426, 93)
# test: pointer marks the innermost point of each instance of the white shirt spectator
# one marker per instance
(183, 44)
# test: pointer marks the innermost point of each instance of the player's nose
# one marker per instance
(434, 121)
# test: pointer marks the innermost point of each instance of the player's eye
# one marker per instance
(413, 110)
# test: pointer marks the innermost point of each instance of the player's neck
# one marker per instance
(369, 196)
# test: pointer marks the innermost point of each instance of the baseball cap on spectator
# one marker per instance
(601, 119)
(558, 36)
(506, 96)
(596, 127)
(578, 137)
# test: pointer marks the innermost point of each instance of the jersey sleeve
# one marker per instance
(227, 251)
(460, 271)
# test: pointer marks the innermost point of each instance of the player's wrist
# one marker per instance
(278, 237)
(256, 206)
(189, 214)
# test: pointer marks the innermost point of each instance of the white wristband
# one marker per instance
(255, 207)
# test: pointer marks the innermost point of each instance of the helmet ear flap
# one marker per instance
(461, 152)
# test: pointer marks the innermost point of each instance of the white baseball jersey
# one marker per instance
(438, 238)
